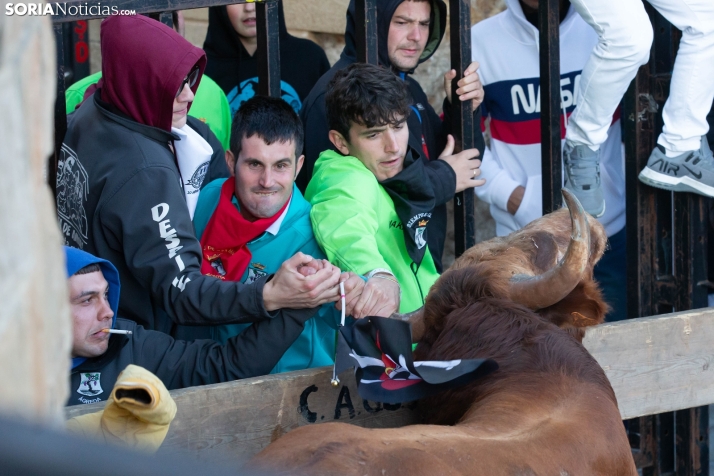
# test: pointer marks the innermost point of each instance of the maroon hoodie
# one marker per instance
(143, 65)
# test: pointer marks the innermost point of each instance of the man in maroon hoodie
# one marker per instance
(131, 168)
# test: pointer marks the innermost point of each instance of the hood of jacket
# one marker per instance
(525, 32)
(222, 41)
(143, 65)
(385, 11)
(78, 259)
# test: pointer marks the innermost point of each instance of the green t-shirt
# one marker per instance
(210, 105)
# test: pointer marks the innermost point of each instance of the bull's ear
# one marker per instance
(583, 321)
(583, 307)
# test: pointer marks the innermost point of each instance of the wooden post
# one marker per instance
(463, 117)
(551, 163)
(268, 49)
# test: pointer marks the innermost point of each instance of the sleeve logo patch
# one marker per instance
(90, 384)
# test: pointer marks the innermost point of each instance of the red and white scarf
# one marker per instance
(227, 235)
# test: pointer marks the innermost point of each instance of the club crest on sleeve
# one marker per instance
(217, 264)
(255, 271)
(90, 384)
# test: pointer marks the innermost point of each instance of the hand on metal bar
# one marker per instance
(470, 86)
(466, 167)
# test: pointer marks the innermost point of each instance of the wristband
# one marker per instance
(394, 280)
(379, 270)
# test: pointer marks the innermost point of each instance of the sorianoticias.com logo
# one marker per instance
(64, 9)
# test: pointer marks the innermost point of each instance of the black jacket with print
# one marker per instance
(120, 197)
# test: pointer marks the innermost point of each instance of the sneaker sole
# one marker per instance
(674, 184)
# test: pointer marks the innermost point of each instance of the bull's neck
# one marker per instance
(546, 397)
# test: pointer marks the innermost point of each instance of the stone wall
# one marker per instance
(324, 23)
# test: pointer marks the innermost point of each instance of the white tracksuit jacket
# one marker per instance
(506, 46)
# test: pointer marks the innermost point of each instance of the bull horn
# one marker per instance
(538, 292)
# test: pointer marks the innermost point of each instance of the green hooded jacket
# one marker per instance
(355, 223)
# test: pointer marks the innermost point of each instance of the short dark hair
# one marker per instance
(367, 95)
(90, 268)
(272, 119)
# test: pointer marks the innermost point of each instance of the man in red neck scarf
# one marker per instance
(130, 173)
(252, 222)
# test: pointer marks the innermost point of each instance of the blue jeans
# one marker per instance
(611, 274)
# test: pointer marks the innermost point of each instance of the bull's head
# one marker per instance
(547, 266)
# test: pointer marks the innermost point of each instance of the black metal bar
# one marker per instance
(463, 119)
(692, 441)
(640, 432)
(80, 50)
(79, 9)
(366, 15)
(266, 16)
(550, 137)
(167, 19)
(164, 17)
(60, 111)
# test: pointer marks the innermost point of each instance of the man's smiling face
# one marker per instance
(264, 176)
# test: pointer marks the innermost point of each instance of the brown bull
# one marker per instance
(548, 410)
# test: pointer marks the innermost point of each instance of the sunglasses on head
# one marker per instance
(190, 79)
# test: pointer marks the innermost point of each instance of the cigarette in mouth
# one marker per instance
(116, 331)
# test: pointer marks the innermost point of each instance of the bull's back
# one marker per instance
(576, 433)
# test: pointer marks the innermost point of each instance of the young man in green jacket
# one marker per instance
(372, 201)
(252, 222)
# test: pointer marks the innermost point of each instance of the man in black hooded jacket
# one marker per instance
(123, 194)
(403, 51)
(231, 44)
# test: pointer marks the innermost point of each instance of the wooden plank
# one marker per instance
(233, 421)
(657, 364)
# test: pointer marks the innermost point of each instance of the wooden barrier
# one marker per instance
(655, 365)
(233, 421)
